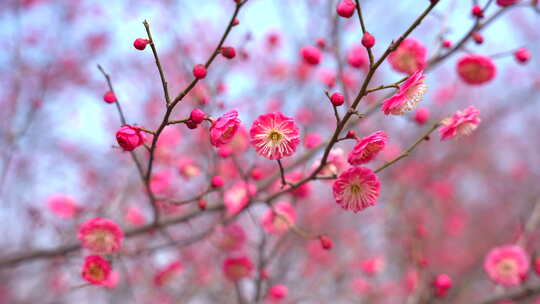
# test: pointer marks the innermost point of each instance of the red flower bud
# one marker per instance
(129, 138)
(478, 38)
(477, 11)
(326, 242)
(368, 40)
(522, 55)
(351, 134)
(447, 44)
(346, 8)
(197, 116)
(228, 52)
(109, 97)
(337, 99)
(140, 43)
(217, 181)
(199, 71)
(191, 124)
(202, 204)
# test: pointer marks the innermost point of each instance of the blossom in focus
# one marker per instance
(356, 189)
(367, 148)
(224, 128)
(460, 124)
(274, 135)
(409, 94)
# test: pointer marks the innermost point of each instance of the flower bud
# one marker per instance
(346, 8)
(140, 43)
(197, 116)
(109, 97)
(326, 242)
(228, 52)
(129, 138)
(368, 40)
(337, 99)
(199, 71)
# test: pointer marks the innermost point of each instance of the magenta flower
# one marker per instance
(356, 189)
(274, 135)
(238, 268)
(460, 124)
(367, 148)
(222, 130)
(476, 69)
(96, 270)
(507, 265)
(409, 94)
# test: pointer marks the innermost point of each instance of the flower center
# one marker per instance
(355, 189)
(507, 267)
(275, 136)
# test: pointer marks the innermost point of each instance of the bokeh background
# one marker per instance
(440, 211)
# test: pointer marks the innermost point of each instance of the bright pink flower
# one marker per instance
(62, 206)
(167, 273)
(109, 97)
(346, 8)
(223, 129)
(476, 69)
(274, 135)
(442, 284)
(129, 137)
(522, 55)
(504, 3)
(237, 197)
(409, 94)
(357, 57)
(356, 189)
(101, 235)
(279, 219)
(96, 270)
(238, 268)
(460, 124)
(278, 292)
(232, 237)
(409, 57)
(367, 148)
(507, 265)
(311, 55)
(140, 43)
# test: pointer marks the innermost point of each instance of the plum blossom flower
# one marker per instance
(280, 218)
(367, 148)
(460, 124)
(101, 235)
(274, 135)
(232, 237)
(237, 268)
(409, 56)
(356, 189)
(476, 69)
(96, 270)
(409, 94)
(507, 265)
(224, 128)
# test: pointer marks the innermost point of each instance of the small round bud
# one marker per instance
(447, 44)
(191, 124)
(278, 292)
(228, 52)
(236, 22)
(311, 55)
(337, 99)
(522, 55)
(256, 173)
(326, 242)
(321, 43)
(478, 38)
(202, 204)
(442, 284)
(217, 181)
(197, 116)
(140, 43)
(109, 97)
(346, 8)
(225, 151)
(129, 137)
(199, 71)
(351, 134)
(368, 40)
(477, 11)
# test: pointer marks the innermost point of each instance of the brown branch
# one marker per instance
(158, 63)
(522, 294)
